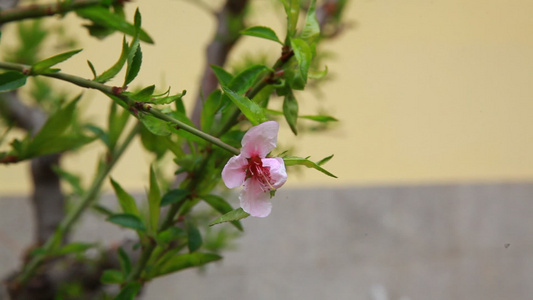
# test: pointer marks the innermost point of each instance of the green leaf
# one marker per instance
(250, 109)
(290, 110)
(168, 99)
(322, 119)
(154, 200)
(223, 76)
(233, 215)
(220, 205)
(128, 221)
(194, 238)
(311, 31)
(292, 160)
(134, 66)
(324, 160)
(76, 247)
(73, 180)
(170, 235)
(262, 32)
(211, 107)
(143, 95)
(188, 260)
(126, 201)
(174, 196)
(11, 80)
(112, 277)
(102, 16)
(125, 262)
(44, 65)
(129, 291)
(154, 143)
(303, 55)
(115, 68)
(116, 123)
(154, 125)
(292, 8)
(245, 79)
(93, 70)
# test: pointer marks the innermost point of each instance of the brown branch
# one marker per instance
(217, 51)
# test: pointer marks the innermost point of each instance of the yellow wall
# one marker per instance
(426, 91)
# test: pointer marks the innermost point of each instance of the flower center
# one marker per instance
(257, 171)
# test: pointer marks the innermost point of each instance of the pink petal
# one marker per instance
(234, 171)
(260, 139)
(278, 174)
(254, 200)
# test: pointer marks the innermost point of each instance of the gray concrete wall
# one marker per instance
(384, 243)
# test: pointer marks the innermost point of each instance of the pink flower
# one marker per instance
(258, 174)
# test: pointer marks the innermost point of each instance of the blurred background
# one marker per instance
(433, 150)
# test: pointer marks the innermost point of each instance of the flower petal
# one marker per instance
(234, 171)
(260, 139)
(278, 174)
(254, 200)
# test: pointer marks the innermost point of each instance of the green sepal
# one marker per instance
(128, 221)
(126, 201)
(44, 65)
(250, 109)
(293, 160)
(11, 80)
(233, 215)
(262, 32)
(222, 206)
(290, 111)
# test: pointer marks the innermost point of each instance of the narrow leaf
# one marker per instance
(188, 260)
(194, 238)
(126, 201)
(125, 261)
(262, 32)
(11, 80)
(233, 215)
(102, 16)
(174, 196)
(222, 206)
(322, 119)
(250, 109)
(291, 161)
(245, 79)
(290, 110)
(134, 66)
(129, 291)
(112, 277)
(115, 68)
(76, 247)
(44, 65)
(155, 125)
(311, 31)
(212, 104)
(223, 76)
(303, 55)
(324, 160)
(128, 221)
